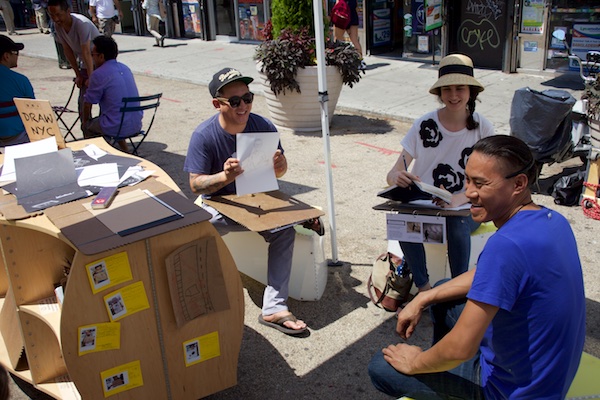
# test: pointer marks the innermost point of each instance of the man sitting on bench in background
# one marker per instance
(109, 83)
(514, 327)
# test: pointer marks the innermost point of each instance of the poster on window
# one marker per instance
(433, 14)
(586, 37)
(533, 17)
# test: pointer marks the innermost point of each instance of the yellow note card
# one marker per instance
(201, 348)
(121, 378)
(99, 337)
(126, 301)
(109, 271)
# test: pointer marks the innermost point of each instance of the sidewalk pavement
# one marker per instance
(389, 88)
(346, 329)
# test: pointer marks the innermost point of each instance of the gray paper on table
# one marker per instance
(37, 174)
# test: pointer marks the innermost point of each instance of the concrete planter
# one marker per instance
(301, 112)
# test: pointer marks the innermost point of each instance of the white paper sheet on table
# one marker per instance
(99, 175)
(24, 150)
(255, 152)
(94, 151)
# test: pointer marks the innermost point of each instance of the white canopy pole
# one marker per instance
(323, 99)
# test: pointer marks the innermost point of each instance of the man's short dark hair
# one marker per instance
(512, 152)
(106, 46)
(63, 4)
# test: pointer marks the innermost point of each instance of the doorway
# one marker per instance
(225, 18)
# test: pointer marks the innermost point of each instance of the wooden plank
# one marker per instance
(139, 336)
(10, 331)
(42, 348)
(33, 273)
(216, 374)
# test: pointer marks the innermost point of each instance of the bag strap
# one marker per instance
(370, 290)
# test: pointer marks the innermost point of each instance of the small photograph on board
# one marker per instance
(115, 381)
(192, 352)
(88, 339)
(433, 233)
(99, 274)
(116, 305)
(413, 227)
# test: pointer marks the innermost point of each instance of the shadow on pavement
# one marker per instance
(566, 81)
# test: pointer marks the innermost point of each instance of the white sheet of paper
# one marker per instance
(416, 228)
(99, 175)
(255, 152)
(36, 148)
(94, 151)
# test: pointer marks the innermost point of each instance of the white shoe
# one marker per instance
(363, 65)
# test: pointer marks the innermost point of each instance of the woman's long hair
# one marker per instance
(471, 123)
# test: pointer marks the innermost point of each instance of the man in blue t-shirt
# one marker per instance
(212, 166)
(13, 85)
(514, 327)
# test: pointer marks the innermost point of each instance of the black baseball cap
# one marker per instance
(225, 77)
(7, 44)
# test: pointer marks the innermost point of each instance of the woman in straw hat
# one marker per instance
(439, 143)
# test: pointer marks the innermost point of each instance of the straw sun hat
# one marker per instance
(455, 69)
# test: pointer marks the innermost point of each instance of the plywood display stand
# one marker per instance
(40, 341)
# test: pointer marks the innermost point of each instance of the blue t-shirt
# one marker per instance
(108, 84)
(13, 85)
(530, 269)
(211, 146)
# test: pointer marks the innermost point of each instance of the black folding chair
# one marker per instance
(60, 112)
(145, 103)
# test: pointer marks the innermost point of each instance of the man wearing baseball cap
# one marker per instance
(13, 85)
(212, 166)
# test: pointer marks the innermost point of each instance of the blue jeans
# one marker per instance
(458, 234)
(462, 382)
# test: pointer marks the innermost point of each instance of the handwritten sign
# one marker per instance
(39, 120)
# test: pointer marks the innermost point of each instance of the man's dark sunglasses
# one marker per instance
(235, 101)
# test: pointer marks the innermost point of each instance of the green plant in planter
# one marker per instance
(280, 58)
(293, 15)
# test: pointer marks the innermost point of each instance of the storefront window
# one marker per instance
(418, 44)
(251, 14)
(580, 20)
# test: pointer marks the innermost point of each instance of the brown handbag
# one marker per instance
(388, 288)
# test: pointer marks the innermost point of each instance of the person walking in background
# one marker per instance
(352, 30)
(8, 16)
(440, 143)
(108, 84)
(12, 130)
(155, 13)
(106, 14)
(41, 15)
(499, 330)
(75, 33)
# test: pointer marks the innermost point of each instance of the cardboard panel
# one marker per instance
(39, 120)
(263, 211)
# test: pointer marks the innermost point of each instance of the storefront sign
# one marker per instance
(382, 32)
(533, 17)
(586, 37)
(530, 46)
(433, 14)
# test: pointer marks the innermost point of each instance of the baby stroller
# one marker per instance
(544, 121)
